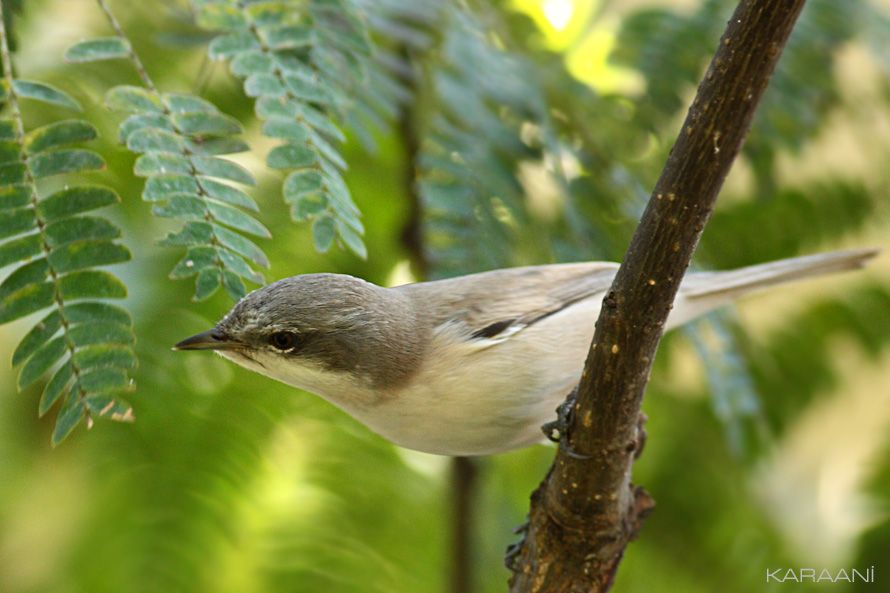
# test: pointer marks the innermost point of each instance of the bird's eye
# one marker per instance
(283, 340)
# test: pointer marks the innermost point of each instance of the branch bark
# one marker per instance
(586, 510)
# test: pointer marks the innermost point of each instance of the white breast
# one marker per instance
(474, 400)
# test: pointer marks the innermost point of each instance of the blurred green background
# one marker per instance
(768, 433)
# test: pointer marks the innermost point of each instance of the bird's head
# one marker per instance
(315, 331)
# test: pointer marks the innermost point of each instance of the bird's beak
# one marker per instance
(212, 339)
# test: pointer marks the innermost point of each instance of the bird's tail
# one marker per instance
(703, 291)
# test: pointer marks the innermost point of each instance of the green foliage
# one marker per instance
(184, 180)
(303, 65)
(94, 50)
(84, 345)
(180, 139)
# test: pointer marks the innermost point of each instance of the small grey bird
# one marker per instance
(472, 365)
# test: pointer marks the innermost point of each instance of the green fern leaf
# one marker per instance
(94, 50)
(179, 137)
(56, 251)
(294, 61)
(38, 91)
(58, 134)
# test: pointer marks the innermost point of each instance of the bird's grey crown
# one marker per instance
(301, 303)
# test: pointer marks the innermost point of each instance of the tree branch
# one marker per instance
(586, 511)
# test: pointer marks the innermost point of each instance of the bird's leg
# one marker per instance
(557, 430)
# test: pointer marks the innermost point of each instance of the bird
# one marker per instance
(465, 366)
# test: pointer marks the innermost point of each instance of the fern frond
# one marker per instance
(180, 139)
(469, 188)
(735, 401)
(401, 33)
(84, 344)
(303, 64)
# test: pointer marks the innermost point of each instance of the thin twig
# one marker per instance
(464, 474)
(134, 57)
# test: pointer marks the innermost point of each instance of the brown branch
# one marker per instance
(464, 486)
(586, 511)
(412, 231)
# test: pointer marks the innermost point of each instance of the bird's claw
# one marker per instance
(511, 556)
(557, 430)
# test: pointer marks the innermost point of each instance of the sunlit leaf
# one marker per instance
(75, 200)
(240, 245)
(26, 300)
(291, 156)
(44, 93)
(155, 140)
(139, 121)
(93, 50)
(20, 249)
(133, 99)
(100, 332)
(155, 163)
(222, 169)
(91, 284)
(14, 196)
(29, 273)
(352, 239)
(228, 194)
(193, 233)
(79, 228)
(67, 160)
(103, 355)
(14, 222)
(208, 282)
(233, 285)
(55, 388)
(195, 260)
(68, 419)
(207, 124)
(79, 255)
(264, 85)
(58, 134)
(179, 103)
(41, 361)
(323, 232)
(37, 337)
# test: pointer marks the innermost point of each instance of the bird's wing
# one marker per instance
(492, 306)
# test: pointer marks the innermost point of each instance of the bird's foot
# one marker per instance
(557, 430)
(514, 550)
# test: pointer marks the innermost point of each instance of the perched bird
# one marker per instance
(472, 365)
